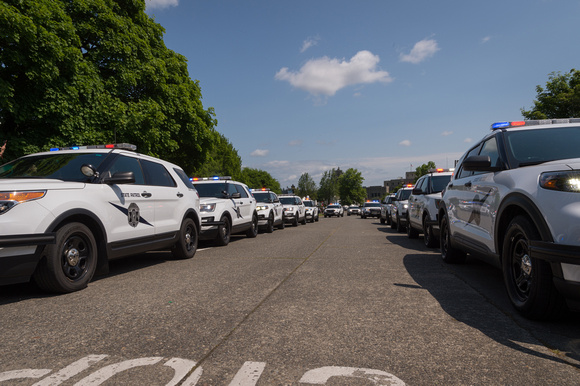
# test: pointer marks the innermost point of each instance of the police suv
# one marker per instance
(424, 206)
(294, 210)
(66, 212)
(515, 201)
(399, 208)
(311, 207)
(227, 207)
(270, 210)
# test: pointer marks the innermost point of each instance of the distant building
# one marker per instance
(391, 185)
(375, 192)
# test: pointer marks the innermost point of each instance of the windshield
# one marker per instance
(59, 166)
(405, 194)
(439, 183)
(372, 204)
(535, 146)
(218, 190)
(333, 206)
(308, 203)
(262, 197)
(287, 200)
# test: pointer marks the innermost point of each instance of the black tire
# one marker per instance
(317, 217)
(295, 222)
(270, 225)
(393, 224)
(253, 231)
(449, 254)
(70, 263)
(186, 244)
(388, 220)
(224, 232)
(382, 220)
(411, 232)
(283, 223)
(400, 227)
(528, 281)
(303, 222)
(428, 235)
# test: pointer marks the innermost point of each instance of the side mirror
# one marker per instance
(479, 163)
(120, 178)
(417, 191)
(236, 195)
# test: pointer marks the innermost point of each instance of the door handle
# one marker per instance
(179, 194)
(467, 184)
(146, 194)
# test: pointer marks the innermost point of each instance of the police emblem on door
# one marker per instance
(133, 215)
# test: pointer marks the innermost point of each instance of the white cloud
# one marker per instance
(468, 140)
(161, 3)
(309, 43)
(325, 76)
(260, 153)
(406, 142)
(446, 133)
(485, 39)
(422, 50)
(296, 142)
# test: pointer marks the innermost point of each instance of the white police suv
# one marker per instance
(399, 208)
(227, 207)
(515, 201)
(270, 210)
(312, 212)
(66, 212)
(424, 206)
(294, 210)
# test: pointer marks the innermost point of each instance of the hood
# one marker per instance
(11, 184)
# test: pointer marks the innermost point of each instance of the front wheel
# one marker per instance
(400, 227)
(411, 232)
(70, 263)
(224, 232)
(528, 280)
(270, 225)
(449, 254)
(186, 245)
(428, 235)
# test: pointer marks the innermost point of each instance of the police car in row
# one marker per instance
(270, 210)
(227, 207)
(65, 213)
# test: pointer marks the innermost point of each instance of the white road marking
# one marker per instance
(248, 374)
(321, 375)
(70, 371)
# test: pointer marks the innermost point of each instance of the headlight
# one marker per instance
(207, 207)
(405, 206)
(261, 207)
(566, 181)
(10, 199)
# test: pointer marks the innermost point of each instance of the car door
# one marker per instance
(131, 210)
(417, 201)
(166, 196)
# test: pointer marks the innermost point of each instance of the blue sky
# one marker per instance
(377, 85)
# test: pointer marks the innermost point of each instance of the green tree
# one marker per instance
(328, 188)
(559, 99)
(222, 160)
(306, 186)
(424, 169)
(256, 178)
(350, 187)
(96, 71)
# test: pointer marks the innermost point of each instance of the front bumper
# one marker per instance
(333, 213)
(565, 263)
(19, 255)
(209, 228)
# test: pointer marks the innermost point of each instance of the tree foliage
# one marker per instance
(350, 189)
(306, 187)
(424, 169)
(256, 178)
(328, 188)
(96, 71)
(559, 99)
(222, 160)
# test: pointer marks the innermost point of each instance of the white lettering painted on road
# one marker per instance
(24, 373)
(248, 374)
(181, 367)
(321, 375)
(100, 376)
(70, 371)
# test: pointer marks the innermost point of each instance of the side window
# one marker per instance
(490, 148)
(241, 190)
(461, 173)
(422, 184)
(183, 177)
(231, 189)
(298, 201)
(128, 164)
(156, 174)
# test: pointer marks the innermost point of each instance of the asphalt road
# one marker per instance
(343, 301)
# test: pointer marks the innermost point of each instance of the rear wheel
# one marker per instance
(186, 245)
(411, 232)
(295, 222)
(70, 263)
(400, 227)
(224, 232)
(270, 225)
(283, 223)
(428, 236)
(528, 280)
(253, 231)
(449, 254)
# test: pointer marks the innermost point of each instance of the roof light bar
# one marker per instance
(533, 122)
(120, 146)
(214, 178)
